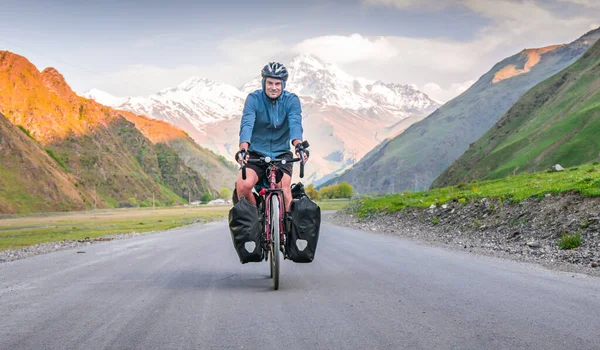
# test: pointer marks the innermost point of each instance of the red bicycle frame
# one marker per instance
(267, 194)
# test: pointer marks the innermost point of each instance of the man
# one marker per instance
(271, 120)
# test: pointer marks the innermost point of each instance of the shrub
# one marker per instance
(23, 129)
(56, 158)
(225, 193)
(570, 241)
(312, 193)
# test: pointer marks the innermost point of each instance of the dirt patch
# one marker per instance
(533, 57)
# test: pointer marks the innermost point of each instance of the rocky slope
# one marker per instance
(526, 231)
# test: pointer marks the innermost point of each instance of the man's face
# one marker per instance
(273, 87)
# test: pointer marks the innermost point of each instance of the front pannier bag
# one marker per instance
(245, 231)
(304, 234)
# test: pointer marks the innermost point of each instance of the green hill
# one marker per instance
(413, 159)
(558, 121)
(30, 179)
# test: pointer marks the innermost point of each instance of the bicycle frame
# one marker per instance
(266, 195)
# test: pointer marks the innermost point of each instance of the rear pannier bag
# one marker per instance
(304, 234)
(245, 231)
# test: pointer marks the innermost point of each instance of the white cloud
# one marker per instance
(149, 79)
(462, 87)
(237, 60)
(512, 18)
(247, 51)
(346, 49)
(144, 79)
(437, 64)
(437, 93)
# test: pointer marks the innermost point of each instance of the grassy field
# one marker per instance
(18, 231)
(24, 230)
(584, 180)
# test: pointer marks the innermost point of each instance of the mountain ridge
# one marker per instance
(412, 160)
(554, 122)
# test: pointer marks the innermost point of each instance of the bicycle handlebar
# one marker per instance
(305, 144)
(276, 160)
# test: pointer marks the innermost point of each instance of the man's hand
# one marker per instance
(242, 155)
(299, 148)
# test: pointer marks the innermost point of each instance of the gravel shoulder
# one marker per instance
(528, 231)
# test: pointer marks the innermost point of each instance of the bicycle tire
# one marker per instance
(270, 259)
(275, 240)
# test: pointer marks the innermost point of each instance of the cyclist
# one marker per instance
(271, 121)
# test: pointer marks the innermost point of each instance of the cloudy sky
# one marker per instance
(132, 48)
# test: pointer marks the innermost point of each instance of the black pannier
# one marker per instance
(245, 231)
(303, 237)
(298, 190)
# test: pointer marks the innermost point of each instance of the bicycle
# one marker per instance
(272, 221)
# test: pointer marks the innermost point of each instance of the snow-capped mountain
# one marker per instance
(344, 116)
(196, 101)
(329, 85)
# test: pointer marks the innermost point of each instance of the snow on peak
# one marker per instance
(328, 84)
(196, 100)
(308, 60)
(104, 98)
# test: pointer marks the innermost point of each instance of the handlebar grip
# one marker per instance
(301, 164)
(244, 172)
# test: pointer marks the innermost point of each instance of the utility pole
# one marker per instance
(189, 198)
(95, 197)
(153, 207)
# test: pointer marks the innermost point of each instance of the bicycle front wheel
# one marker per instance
(275, 240)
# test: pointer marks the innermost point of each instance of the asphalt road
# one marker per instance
(185, 289)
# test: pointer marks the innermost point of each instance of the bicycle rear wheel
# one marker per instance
(275, 241)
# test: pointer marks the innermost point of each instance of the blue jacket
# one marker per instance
(270, 126)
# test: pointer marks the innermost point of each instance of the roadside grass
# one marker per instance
(333, 204)
(19, 231)
(584, 179)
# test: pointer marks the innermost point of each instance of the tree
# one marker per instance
(225, 193)
(344, 190)
(206, 197)
(327, 192)
(312, 193)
